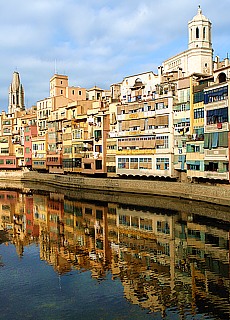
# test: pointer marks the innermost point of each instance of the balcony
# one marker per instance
(217, 104)
(195, 174)
(135, 152)
(217, 126)
(113, 134)
(216, 154)
(55, 152)
(216, 175)
(54, 160)
(128, 133)
(195, 137)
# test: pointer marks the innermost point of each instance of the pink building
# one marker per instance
(29, 133)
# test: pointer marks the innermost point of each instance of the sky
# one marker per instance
(96, 42)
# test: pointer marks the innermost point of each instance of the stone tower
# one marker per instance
(16, 95)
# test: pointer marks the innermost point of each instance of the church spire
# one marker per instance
(16, 95)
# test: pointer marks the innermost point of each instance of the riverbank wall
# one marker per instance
(218, 194)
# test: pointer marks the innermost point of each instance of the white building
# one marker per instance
(138, 87)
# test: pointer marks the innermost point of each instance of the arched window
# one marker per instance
(204, 33)
(138, 82)
(13, 99)
(222, 77)
(197, 33)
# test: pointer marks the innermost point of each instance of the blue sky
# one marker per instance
(96, 42)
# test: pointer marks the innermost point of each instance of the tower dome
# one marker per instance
(199, 16)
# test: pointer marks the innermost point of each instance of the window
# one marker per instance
(183, 143)
(67, 150)
(183, 107)
(61, 91)
(192, 148)
(98, 148)
(4, 150)
(163, 226)
(98, 164)
(27, 138)
(9, 161)
(39, 163)
(5, 122)
(211, 166)
(217, 115)
(77, 134)
(162, 164)
(193, 167)
(216, 139)
(79, 92)
(145, 163)
(97, 134)
(20, 151)
(88, 211)
(99, 214)
(197, 33)
(5, 207)
(123, 163)
(199, 113)
(160, 106)
(162, 142)
(215, 95)
(146, 224)
(77, 163)
(134, 163)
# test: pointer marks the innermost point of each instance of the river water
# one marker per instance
(66, 258)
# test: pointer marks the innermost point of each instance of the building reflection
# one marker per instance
(164, 258)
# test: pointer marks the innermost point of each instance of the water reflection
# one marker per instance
(165, 259)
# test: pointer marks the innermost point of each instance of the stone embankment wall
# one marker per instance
(218, 194)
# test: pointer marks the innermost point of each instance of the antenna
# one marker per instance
(55, 66)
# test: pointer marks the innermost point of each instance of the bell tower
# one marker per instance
(199, 29)
(198, 58)
(16, 95)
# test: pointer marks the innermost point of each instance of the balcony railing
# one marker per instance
(217, 126)
(136, 151)
(216, 175)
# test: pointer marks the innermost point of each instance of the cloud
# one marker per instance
(95, 42)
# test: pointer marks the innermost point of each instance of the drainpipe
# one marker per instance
(191, 106)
